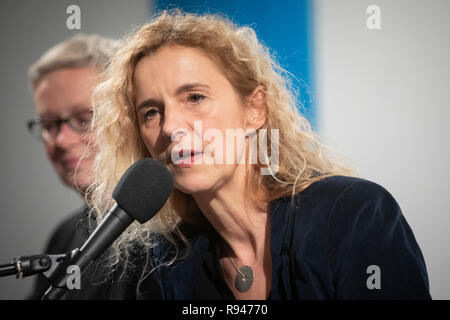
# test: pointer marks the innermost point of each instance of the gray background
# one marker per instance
(32, 197)
(382, 98)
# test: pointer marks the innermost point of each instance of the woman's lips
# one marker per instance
(186, 158)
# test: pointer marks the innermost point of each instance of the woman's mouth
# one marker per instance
(186, 158)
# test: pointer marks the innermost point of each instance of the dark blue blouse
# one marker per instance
(341, 238)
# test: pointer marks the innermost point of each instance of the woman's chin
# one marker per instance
(191, 185)
(190, 189)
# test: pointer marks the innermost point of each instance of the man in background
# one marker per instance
(62, 82)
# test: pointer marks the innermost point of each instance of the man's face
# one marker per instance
(59, 95)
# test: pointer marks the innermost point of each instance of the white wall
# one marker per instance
(384, 100)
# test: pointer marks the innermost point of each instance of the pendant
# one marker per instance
(243, 283)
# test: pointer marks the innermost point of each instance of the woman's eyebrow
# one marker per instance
(149, 102)
(189, 87)
(180, 90)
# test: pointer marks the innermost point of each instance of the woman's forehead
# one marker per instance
(174, 66)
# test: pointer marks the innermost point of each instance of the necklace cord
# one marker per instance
(239, 271)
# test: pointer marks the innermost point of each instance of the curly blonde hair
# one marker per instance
(246, 63)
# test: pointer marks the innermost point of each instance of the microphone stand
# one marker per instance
(59, 276)
(50, 266)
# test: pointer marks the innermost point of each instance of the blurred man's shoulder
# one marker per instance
(70, 233)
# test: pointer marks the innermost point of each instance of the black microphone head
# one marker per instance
(143, 189)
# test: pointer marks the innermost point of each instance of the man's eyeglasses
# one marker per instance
(47, 129)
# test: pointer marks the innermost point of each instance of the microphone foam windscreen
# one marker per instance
(143, 189)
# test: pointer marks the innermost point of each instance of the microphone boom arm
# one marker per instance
(26, 266)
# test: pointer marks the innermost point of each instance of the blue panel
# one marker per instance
(283, 26)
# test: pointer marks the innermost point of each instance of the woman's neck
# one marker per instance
(242, 223)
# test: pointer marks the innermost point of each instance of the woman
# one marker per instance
(292, 224)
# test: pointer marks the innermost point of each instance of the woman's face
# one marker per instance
(185, 105)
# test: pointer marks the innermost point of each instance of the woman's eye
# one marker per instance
(151, 113)
(196, 98)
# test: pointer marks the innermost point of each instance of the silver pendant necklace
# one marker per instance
(244, 277)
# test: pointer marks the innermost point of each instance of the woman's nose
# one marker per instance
(174, 123)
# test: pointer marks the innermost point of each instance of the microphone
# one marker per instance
(140, 194)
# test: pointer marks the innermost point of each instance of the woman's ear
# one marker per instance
(256, 109)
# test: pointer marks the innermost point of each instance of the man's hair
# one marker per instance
(76, 52)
